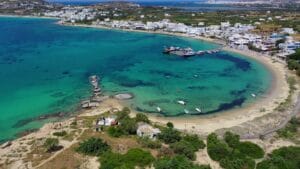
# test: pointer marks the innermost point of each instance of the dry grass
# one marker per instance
(68, 159)
(37, 155)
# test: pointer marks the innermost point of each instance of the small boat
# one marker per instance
(158, 109)
(181, 102)
(253, 95)
(188, 54)
(198, 110)
(200, 52)
(186, 111)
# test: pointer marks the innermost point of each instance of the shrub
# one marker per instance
(184, 148)
(237, 163)
(123, 114)
(60, 134)
(177, 162)
(290, 130)
(194, 141)
(231, 139)
(170, 125)
(128, 125)
(115, 131)
(51, 144)
(169, 135)
(142, 118)
(130, 160)
(282, 158)
(148, 143)
(216, 149)
(250, 149)
(93, 146)
(138, 157)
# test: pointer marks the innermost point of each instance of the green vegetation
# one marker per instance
(142, 118)
(115, 131)
(130, 160)
(60, 133)
(294, 62)
(188, 145)
(231, 153)
(51, 144)
(282, 158)
(128, 126)
(290, 130)
(170, 125)
(177, 162)
(93, 146)
(169, 135)
(148, 143)
(287, 103)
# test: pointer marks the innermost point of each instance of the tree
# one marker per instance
(142, 118)
(123, 114)
(51, 144)
(93, 146)
(128, 125)
(169, 135)
(170, 125)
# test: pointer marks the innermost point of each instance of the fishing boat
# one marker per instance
(158, 109)
(198, 110)
(168, 50)
(186, 111)
(181, 102)
(200, 52)
(253, 95)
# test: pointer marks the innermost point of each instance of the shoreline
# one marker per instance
(204, 124)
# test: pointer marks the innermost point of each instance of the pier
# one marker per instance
(187, 52)
(97, 96)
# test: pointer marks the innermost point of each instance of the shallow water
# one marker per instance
(44, 68)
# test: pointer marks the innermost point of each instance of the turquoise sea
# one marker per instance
(44, 69)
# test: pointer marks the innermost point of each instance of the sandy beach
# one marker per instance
(204, 124)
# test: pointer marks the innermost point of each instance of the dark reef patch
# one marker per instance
(227, 106)
(165, 73)
(239, 63)
(154, 102)
(197, 87)
(129, 82)
(24, 122)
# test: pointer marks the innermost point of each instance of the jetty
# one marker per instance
(187, 52)
(97, 96)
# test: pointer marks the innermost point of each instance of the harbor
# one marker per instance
(187, 52)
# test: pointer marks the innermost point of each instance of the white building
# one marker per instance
(145, 130)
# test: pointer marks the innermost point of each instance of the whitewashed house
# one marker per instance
(146, 130)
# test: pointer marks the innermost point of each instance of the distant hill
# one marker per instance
(253, 1)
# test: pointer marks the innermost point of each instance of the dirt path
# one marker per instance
(65, 144)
